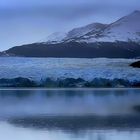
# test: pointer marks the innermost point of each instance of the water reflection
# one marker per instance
(16, 133)
(70, 114)
(69, 102)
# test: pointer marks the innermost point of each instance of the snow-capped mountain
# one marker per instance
(55, 37)
(79, 32)
(121, 38)
(125, 29)
(75, 33)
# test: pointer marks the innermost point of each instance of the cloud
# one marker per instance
(65, 10)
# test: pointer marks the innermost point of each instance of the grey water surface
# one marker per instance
(70, 114)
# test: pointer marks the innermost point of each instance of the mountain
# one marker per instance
(55, 38)
(120, 39)
(80, 32)
(125, 29)
(75, 33)
(3, 54)
(78, 50)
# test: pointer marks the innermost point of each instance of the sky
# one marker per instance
(29, 21)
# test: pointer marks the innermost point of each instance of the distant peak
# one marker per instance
(134, 15)
(136, 11)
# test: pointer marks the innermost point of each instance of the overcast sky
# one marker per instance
(28, 21)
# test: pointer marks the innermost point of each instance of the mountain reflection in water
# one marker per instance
(69, 114)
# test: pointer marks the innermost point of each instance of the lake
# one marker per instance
(70, 114)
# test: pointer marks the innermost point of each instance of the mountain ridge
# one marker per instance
(78, 50)
(119, 30)
(120, 39)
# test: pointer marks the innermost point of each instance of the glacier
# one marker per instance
(90, 70)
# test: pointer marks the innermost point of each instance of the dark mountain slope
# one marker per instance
(78, 50)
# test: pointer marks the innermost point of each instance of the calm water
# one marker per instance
(110, 114)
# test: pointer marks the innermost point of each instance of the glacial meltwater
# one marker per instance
(70, 114)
